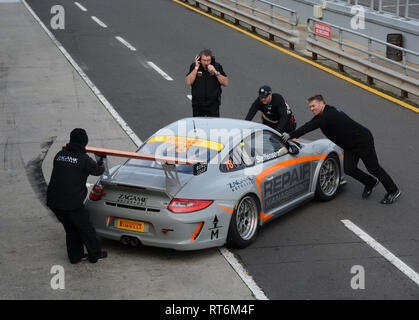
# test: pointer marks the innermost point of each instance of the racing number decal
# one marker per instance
(229, 165)
(183, 144)
(180, 148)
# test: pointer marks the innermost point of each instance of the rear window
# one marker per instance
(178, 147)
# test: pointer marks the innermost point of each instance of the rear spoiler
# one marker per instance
(199, 166)
(142, 156)
(168, 164)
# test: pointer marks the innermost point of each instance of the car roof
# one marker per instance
(220, 129)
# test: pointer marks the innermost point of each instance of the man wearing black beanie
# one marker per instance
(66, 193)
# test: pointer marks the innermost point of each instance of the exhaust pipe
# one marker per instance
(132, 241)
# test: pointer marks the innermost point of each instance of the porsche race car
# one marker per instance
(206, 182)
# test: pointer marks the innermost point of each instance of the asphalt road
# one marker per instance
(309, 253)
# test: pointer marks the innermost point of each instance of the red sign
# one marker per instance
(323, 30)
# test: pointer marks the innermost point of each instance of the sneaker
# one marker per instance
(368, 190)
(102, 255)
(389, 198)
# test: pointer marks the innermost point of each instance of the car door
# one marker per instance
(285, 179)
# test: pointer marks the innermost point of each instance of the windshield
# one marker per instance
(178, 147)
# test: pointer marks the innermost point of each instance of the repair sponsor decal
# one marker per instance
(286, 186)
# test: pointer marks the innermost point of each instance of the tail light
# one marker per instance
(188, 205)
(96, 193)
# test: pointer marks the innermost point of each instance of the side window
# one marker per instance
(243, 155)
(272, 147)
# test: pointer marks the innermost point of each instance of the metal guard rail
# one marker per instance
(402, 65)
(237, 4)
(271, 16)
(231, 8)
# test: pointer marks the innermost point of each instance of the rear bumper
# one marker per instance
(180, 231)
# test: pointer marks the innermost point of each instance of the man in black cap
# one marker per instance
(357, 143)
(206, 76)
(276, 113)
(66, 193)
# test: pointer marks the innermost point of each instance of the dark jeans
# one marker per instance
(79, 231)
(206, 110)
(366, 152)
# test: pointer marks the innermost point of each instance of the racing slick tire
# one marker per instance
(328, 181)
(244, 224)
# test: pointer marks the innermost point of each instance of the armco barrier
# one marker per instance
(256, 16)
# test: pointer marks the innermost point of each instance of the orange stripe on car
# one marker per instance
(268, 171)
(264, 217)
(197, 231)
(226, 209)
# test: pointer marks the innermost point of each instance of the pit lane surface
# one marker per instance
(309, 253)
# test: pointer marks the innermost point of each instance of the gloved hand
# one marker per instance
(100, 160)
(285, 137)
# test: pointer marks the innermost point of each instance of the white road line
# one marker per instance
(399, 264)
(97, 20)
(160, 71)
(125, 43)
(80, 6)
(95, 90)
(244, 275)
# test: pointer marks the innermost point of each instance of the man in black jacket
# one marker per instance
(275, 111)
(66, 193)
(357, 143)
(206, 76)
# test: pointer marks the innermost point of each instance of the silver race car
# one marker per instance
(206, 182)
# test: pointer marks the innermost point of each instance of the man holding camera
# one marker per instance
(206, 76)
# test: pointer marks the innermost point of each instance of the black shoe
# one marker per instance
(368, 190)
(83, 258)
(103, 255)
(389, 198)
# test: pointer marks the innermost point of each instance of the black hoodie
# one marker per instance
(337, 127)
(67, 187)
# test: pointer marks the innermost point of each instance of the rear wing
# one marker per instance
(142, 156)
(168, 164)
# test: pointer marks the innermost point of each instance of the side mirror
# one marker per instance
(293, 149)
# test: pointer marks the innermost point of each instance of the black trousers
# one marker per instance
(79, 231)
(366, 152)
(206, 110)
